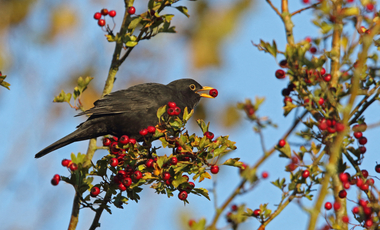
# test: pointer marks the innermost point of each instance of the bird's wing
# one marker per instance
(139, 97)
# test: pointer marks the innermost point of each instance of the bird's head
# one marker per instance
(190, 90)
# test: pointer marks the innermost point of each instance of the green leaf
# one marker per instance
(76, 93)
(200, 225)
(83, 83)
(161, 111)
(63, 97)
(288, 108)
(179, 167)
(186, 114)
(133, 24)
(202, 191)
(184, 10)
(131, 43)
(179, 180)
(220, 150)
(203, 125)
(234, 162)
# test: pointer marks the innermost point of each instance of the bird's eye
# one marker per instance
(192, 87)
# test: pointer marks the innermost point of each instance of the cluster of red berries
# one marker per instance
(149, 129)
(65, 163)
(103, 13)
(173, 109)
(116, 146)
(234, 208)
(330, 125)
(124, 178)
(358, 134)
(293, 166)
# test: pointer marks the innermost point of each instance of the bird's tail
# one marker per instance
(83, 132)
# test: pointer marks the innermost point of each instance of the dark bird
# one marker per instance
(126, 112)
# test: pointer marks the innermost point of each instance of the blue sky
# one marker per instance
(37, 70)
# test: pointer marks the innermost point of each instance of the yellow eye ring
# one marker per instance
(192, 87)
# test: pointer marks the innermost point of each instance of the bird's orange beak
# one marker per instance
(205, 88)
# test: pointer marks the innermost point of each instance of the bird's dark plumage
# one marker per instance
(126, 112)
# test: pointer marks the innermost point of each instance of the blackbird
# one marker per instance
(126, 112)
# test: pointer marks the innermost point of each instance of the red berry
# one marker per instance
(166, 176)
(305, 174)
(363, 203)
(104, 11)
(131, 10)
(94, 191)
(288, 99)
(371, 181)
(214, 169)
(256, 212)
(132, 141)
(342, 194)
(345, 219)
(137, 175)
(192, 185)
(331, 129)
(65, 162)
(364, 187)
(234, 208)
(377, 168)
(328, 205)
(281, 143)
(280, 74)
(313, 50)
(339, 127)
(174, 160)
(191, 222)
(149, 163)
(323, 125)
(368, 223)
(346, 185)
(343, 177)
(358, 134)
(101, 22)
(369, 7)
(73, 167)
(177, 111)
(124, 140)
(121, 174)
(182, 195)
(97, 16)
(54, 181)
(151, 129)
(363, 140)
(168, 182)
(359, 182)
(321, 101)
(115, 139)
(362, 149)
(171, 112)
(213, 93)
(265, 175)
(127, 181)
(122, 187)
(365, 173)
(112, 13)
(355, 210)
(323, 71)
(106, 142)
(186, 176)
(114, 162)
(209, 135)
(327, 78)
(172, 104)
(336, 206)
(143, 132)
(283, 63)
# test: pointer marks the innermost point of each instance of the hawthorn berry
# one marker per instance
(339, 127)
(364, 187)
(305, 174)
(124, 140)
(355, 210)
(186, 176)
(327, 77)
(214, 169)
(346, 185)
(323, 71)
(143, 132)
(127, 181)
(177, 111)
(114, 162)
(363, 140)
(191, 222)
(101, 22)
(112, 13)
(149, 163)
(213, 93)
(308, 39)
(170, 112)
(281, 143)
(321, 101)
(104, 11)
(94, 191)
(358, 134)
(122, 187)
(343, 194)
(182, 195)
(65, 162)
(280, 74)
(365, 173)
(345, 219)
(369, 7)
(371, 181)
(363, 203)
(137, 175)
(55, 180)
(343, 177)
(234, 208)
(106, 142)
(256, 212)
(73, 167)
(362, 149)
(328, 205)
(174, 160)
(265, 174)
(132, 141)
(336, 206)
(115, 139)
(131, 10)
(306, 1)
(377, 168)
(151, 129)
(323, 125)
(166, 176)
(285, 92)
(191, 185)
(368, 223)
(97, 16)
(359, 182)
(288, 99)
(209, 135)
(313, 50)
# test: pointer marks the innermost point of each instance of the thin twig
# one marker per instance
(306, 8)
(274, 8)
